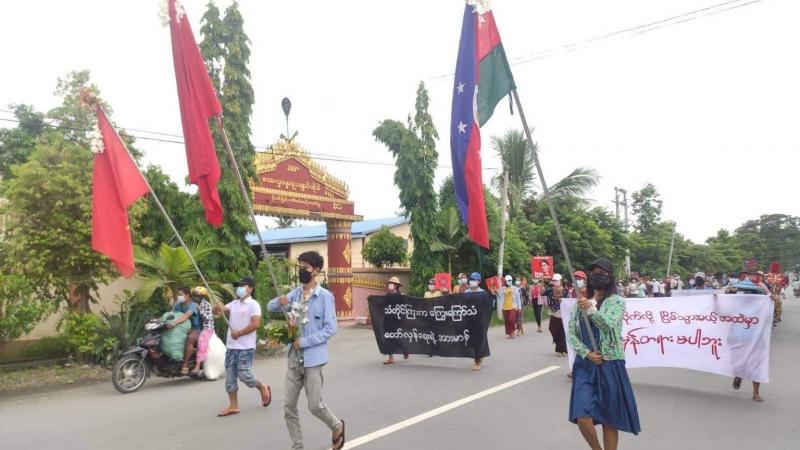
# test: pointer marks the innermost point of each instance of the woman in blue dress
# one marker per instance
(601, 390)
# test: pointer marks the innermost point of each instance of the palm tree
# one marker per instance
(516, 158)
(451, 235)
(285, 222)
(168, 268)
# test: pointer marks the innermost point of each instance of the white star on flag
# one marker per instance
(462, 127)
(460, 88)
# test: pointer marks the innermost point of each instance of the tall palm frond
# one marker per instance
(451, 234)
(575, 185)
(516, 159)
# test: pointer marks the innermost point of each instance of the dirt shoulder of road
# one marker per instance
(46, 379)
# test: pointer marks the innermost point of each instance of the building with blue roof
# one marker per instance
(290, 242)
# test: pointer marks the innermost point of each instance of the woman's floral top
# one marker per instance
(607, 319)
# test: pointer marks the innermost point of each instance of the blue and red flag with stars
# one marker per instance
(483, 77)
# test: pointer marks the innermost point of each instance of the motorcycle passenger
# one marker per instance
(200, 297)
(189, 311)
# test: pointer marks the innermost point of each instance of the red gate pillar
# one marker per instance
(340, 269)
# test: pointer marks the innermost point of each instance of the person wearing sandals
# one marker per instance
(308, 354)
(393, 286)
(601, 391)
(244, 318)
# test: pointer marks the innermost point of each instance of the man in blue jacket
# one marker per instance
(313, 309)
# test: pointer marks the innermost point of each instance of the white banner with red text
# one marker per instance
(722, 334)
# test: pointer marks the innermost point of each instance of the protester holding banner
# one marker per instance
(393, 288)
(463, 284)
(432, 292)
(748, 287)
(474, 288)
(554, 294)
(601, 391)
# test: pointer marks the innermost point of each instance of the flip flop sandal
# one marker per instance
(387, 362)
(737, 383)
(227, 413)
(184, 372)
(263, 403)
(338, 443)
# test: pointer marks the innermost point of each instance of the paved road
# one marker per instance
(679, 409)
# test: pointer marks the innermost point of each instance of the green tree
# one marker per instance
(647, 207)
(771, 237)
(452, 235)
(20, 309)
(414, 148)
(48, 234)
(17, 143)
(183, 208)
(384, 249)
(285, 222)
(227, 40)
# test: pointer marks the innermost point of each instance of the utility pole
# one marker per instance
(671, 247)
(624, 203)
(501, 250)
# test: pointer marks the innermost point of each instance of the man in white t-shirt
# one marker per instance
(244, 318)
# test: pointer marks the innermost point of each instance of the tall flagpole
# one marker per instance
(246, 197)
(166, 216)
(501, 250)
(552, 209)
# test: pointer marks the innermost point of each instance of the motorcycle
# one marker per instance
(135, 365)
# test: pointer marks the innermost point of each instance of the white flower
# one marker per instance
(96, 138)
(163, 11)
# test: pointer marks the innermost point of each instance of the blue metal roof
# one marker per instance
(319, 232)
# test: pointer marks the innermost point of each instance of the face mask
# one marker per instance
(304, 276)
(181, 299)
(241, 292)
(508, 282)
(555, 283)
(598, 281)
(431, 287)
(462, 281)
(473, 283)
(580, 283)
(518, 283)
(391, 287)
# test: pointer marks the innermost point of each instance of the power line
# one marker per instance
(631, 31)
(315, 156)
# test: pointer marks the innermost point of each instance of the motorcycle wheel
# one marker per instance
(129, 374)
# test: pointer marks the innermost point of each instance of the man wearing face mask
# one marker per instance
(393, 285)
(580, 285)
(316, 314)
(244, 318)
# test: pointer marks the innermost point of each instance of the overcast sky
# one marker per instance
(707, 110)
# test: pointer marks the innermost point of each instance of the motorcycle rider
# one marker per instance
(188, 310)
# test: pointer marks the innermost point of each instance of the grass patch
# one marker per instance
(49, 378)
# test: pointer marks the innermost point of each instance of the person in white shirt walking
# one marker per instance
(244, 318)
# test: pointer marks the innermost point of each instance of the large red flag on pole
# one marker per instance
(198, 103)
(116, 185)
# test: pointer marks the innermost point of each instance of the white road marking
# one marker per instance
(443, 409)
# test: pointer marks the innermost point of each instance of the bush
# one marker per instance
(20, 309)
(384, 249)
(44, 348)
(121, 331)
(83, 334)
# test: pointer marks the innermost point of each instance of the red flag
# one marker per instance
(198, 103)
(116, 185)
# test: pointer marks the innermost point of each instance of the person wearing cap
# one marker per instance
(580, 285)
(474, 284)
(393, 286)
(432, 292)
(188, 310)
(463, 284)
(314, 310)
(554, 294)
(700, 282)
(200, 297)
(244, 318)
(509, 295)
(601, 390)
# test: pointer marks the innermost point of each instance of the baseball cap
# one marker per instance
(475, 276)
(604, 264)
(247, 281)
(557, 277)
(580, 274)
